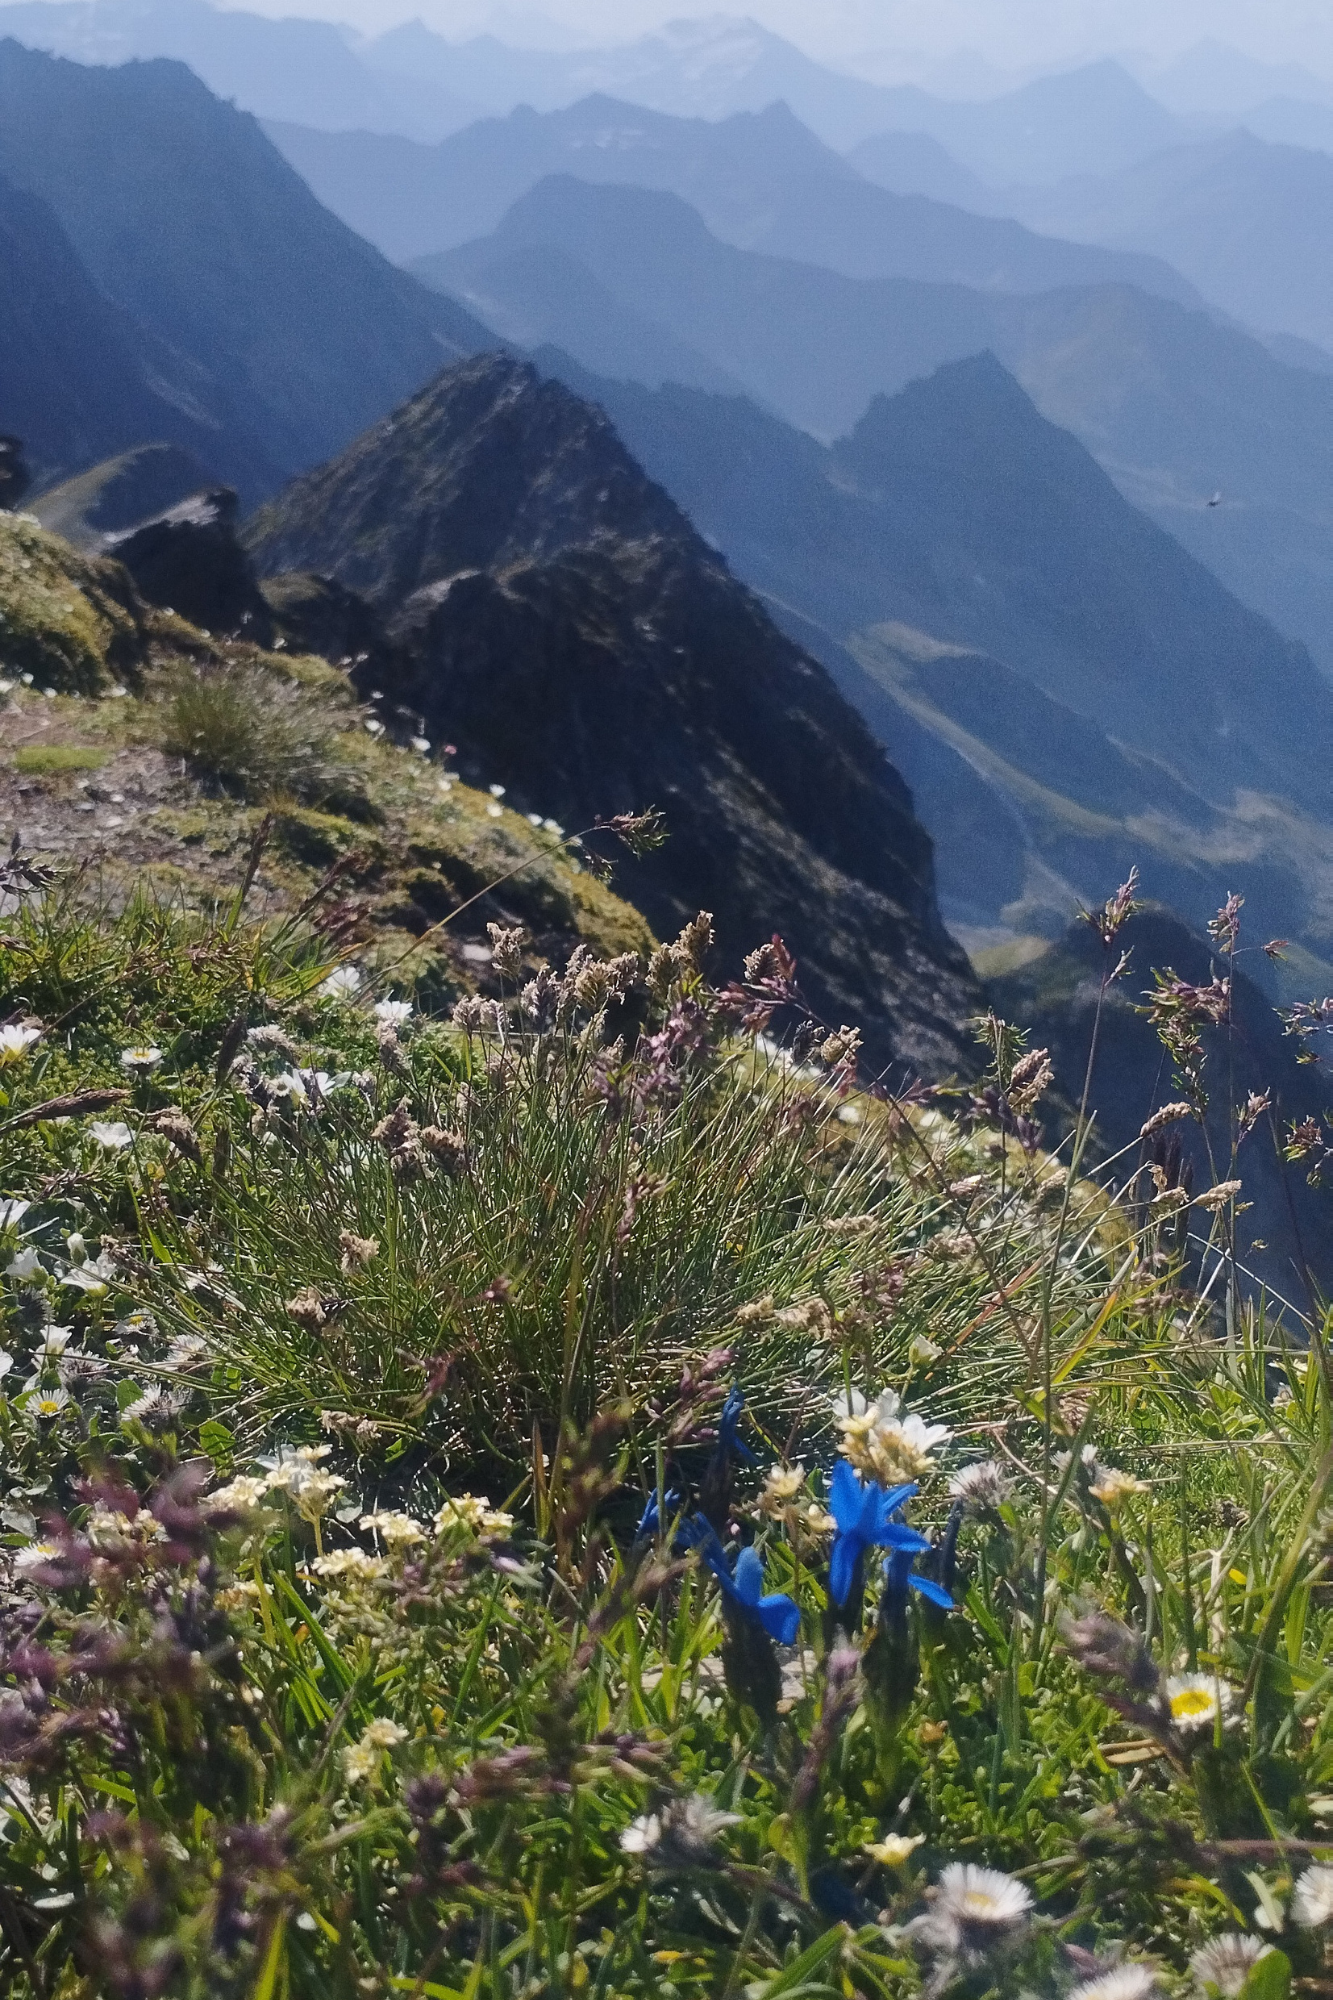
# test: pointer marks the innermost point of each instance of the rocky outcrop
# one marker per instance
(561, 622)
(189, 560)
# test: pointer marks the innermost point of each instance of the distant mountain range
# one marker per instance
(1066, 690)
(760, 180)
(1176, 406)
(1250, 223)
(190, 286)
(564, 624)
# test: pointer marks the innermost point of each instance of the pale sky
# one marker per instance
(1012, 34)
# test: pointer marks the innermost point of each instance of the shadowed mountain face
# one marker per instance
(1176, 407)
(1066, 690)
(240, 301)
(80, 377)
(761, 181)
(565, 626)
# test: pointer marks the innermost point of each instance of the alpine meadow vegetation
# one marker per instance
(586, 1493)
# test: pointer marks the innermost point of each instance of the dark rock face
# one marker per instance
(189, 560)
(14, 477)
(561, 622)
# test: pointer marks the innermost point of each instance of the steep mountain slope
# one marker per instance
(914, 163)
(120, 492)
(1176, 407)
(289, 334)
(1250, 223)
(570, 631)
(762, 181)
(291, 68)
(1065, 689)
(80, 377)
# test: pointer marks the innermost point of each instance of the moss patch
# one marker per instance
(39, 758)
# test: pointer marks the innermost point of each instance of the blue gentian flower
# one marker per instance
(729, 1438)
(650, 1521)
(779, 1614)
(864, 1515)
(899, 1577)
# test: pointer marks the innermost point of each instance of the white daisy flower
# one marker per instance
(982, 1899)
(888, 1445)
(110, 1135)
(47, 1403)
(1124, 1982)
(985, 1483)
(1226, 1962)
(679, 1835)
(36, 1556)
(1196, 1701)
(394, 1013)
(291, 1085)
(1312, 1898)
(343, 983)
(141, 1061)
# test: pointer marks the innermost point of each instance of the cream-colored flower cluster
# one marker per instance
(887, 1443)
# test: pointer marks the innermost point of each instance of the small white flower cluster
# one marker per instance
(298, 1474)
(361, 1760)
(782, 1499)
(887, 1443)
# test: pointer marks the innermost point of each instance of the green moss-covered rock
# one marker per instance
(73, 623)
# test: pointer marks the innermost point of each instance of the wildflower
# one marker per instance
(1312, 1898)
(973, 1910)
(25, 1269)
(397, 1530)
(864, 1517)
(350, 1566)
(111, 1136)
(54, 1340)
(140, 1061)
(778, 1614)
(1123, 1982)
(984, 1484)
(679, 1835)
(729, 1439)
(6, 1363)
(45, 1404)
(781, 1484)
(185, 1350)
(343, 983)
(361, 1759)
(1196, 1701)
(12, 1213)
(241, 1496)
(93, 1275)
(157, 1408)
(923, 1351)
(1112, 1487)
(15, 1043)
(895, 1849)
(310, 1488)
(393, 1013)
(879, 1440)
(110, 1532)
(37, 1555)
(474, 1512)
(1226, 1962)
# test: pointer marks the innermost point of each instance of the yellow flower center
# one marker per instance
(1191, 1702)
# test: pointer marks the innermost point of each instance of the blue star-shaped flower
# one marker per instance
(779, 1614)
(899, 1577)
(729, 1438)
(864, 1515)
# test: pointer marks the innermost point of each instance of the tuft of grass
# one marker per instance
(259, 734)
